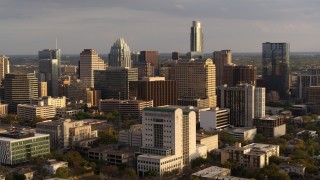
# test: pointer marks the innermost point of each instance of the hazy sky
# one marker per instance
(164, 25)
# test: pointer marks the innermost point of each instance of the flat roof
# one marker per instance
(212, 171)
(36, 135)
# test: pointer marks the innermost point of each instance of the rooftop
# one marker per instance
(212, 172)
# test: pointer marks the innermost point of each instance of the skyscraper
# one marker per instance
(48, 72)
(275, 67)
(4, 67)
(20, 89)
(150, 57)
(242, 74)
(120, 55)
(89, 62)
(220, 59)
(196, 37)
(52, 54)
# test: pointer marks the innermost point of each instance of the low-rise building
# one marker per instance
(247, 134)
(64, 112)
(214, 119)
(270, 126)
(312, 134)
(293, 169)
(52, 165)
(211, 141)
(254, 155)
(28, 112)
(57, 102)
(27, 172)
(17, 146)
(215, 173)
(132, 136)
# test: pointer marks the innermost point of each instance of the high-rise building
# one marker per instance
(114, 82)
(4, 67)
(244, 101)
(150, 57)
(221, 59)
(89, 62)
(145, 69)
(48, 72)
(20, 89)
(196, 79)
(196, 37)
(239, 74)
(43, 89)
(52, 54)
(275, 67)
(161, 91)
(120, 55)
(168, 140)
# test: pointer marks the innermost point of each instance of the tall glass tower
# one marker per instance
(51, 54)
(196, 37)
(120, 55)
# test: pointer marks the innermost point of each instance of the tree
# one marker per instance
(108, 136)
(10, 118)
(62, 173)
(109, 170)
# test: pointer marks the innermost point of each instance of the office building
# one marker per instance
(152, 58)
(270, 126)
(239, 74)
(221, 59)
(313, 98)
(3, 109)
(305, 79)
(66, 133)
(17, 146)
(161, 91)
(4, 67)
(196, 37)
(89, 62)
(276, 67)
(52, 54)
(178, 55)
(195, 78)
(244, 101)
(131, 109)
(93, 97)
(68, 70)
(254, 155)
(120, 55)
(211, 141)
(43, 89)
(168, 140)
(48, 72)
(57, 102)
(145, 69)
(132, 136)
(114, 82)
(214, 119)
(20, 89)
(29, 112)
(243, 133)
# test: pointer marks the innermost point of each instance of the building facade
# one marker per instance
(196, 37)
(132, 136)
(4, 67)
(239, 74)
(48, 72)
(270, 126)
(214, 119)
(221, 59)
(52, 54)
(29, 112)
(152, 58)
(120, 55)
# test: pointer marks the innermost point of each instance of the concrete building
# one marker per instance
(247, 134)
(214, 119)
(89, 62)
(161, 91)
(4, 67)
(66, 133)
(120, 55)
(211, 141)
(28, 112)
(145, 69)
(52, 165)
(309, 77)
(57, 102)
(270, 126)
(244, 101)
(196, 37)
(152, 58)
(3, 109)
(51, 54)
(65, 112)
(48, 72)
(132, 136)
(276, 67)
(254, 155)
(313, 98)
(114, 82)
(195, 78)
(126, 108)
(293, 169)
(168, 140)
(43, 89)
(220, 60)
(215, 173)
(20, 89)
(18, 146)
(239, 74)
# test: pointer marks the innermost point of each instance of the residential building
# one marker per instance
(150, 57)
(120, 55)
(196, 37)
(276, 67)
(161, 91)
(29, 112)
(309, 77)
(132, 136)
(52, 165)
(48, 72)
(19, 89)
(254, 155)
(211, 141)
(168, 140)
(4, 67)
(127, 108)
(114, 82)
(220, 60)
(43, 89)
(66, 133)
(270, 126)
(89, 62)
(51, 54)
(214, 119)
(244, 101)
(239, 74)
(18, 146)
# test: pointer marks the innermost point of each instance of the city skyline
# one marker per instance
(156, 25)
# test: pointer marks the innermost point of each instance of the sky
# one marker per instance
(27, 26)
